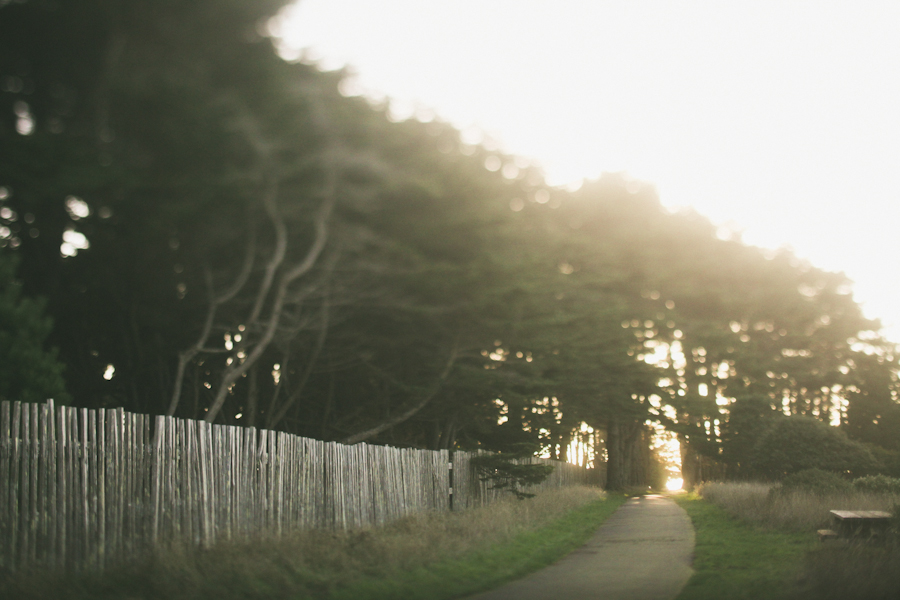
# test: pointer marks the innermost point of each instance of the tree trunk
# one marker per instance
(621, 440)
(616, 474)
(252, 396)
(691, 467)
(447, 434)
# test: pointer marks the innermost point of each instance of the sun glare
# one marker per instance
(674, 484)
(678, 90)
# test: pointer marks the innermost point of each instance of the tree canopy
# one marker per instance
(223, 234)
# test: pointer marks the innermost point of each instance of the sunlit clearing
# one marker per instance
(400, 110)
(510, 171)
(350, 86)
(581, 450)
(504, 411)
(73, 241)
(675, 484)
(492, 163)
(77, 208)
(25, 122)
(276, 373)
(109, 372)
(838, 409)
(786, 406)
(666, 447)
(574, 186)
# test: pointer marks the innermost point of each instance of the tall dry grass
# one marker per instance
(424, 538)
(834, 571)
(851, 572)
(310, 564)
(797, 510)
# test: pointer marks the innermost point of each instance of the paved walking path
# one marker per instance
(642, 552)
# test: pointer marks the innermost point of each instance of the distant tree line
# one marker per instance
(221, 234)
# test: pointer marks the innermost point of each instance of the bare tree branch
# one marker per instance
(275, 416)
(271, 206)
(185, 357)
(247, 125)
(236, 370)
(410, 412)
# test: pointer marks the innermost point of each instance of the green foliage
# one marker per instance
(511, 472)
(873, 414)
(28, 372)
(748, 419)
(888, 460)
(879, 484)
(816, 481)
(797, 443)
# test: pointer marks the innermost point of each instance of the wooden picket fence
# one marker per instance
(87, 488)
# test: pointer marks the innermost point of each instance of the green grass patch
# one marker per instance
(525, 553)
(735, 559)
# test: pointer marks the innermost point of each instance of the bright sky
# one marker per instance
(778, 119)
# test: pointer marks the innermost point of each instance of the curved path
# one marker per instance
(642, 552)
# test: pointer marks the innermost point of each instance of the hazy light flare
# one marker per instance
(778, 118)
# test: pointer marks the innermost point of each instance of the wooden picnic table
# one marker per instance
(860, 523)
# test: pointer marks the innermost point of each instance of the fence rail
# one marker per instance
(87, 488)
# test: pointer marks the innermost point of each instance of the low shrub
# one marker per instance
(879, 484)
(797, 443)
(813, 480)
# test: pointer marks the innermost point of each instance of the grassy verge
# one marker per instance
(795, 510)
(839, 570)
(489, 568)
(433, 556)
(735, 559)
